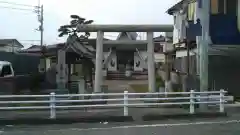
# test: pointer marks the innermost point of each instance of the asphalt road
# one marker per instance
(201, 126)
(217, 126)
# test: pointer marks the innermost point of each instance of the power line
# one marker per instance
(17, 4)
(30, 40)
(37, 9)
(24, 9)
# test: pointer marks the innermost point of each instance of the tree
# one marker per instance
(82, 38)
(72, 28)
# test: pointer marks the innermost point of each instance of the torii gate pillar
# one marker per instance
(151, 63)
(99, 63)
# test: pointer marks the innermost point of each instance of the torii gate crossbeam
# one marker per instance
(125, 28)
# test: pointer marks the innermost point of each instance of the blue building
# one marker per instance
(223, 40)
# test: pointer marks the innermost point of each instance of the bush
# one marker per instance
(35, 82)
(159, 81)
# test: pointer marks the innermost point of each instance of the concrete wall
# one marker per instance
(4, 49)
(9, 49)
(180, 64)
(224, 73)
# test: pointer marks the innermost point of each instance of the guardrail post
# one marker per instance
(192, 104)
(221, 104)
(52, 106)
(125, 109)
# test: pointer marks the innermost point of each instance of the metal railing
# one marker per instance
(54, 101)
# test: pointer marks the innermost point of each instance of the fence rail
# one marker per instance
(52, 101)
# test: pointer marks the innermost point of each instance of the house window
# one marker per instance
(223, 6)
(6, 70)
(231, 7)
(191, 11)
(214, 6)
(53, 60)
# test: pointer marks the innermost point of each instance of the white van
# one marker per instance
(6, 69)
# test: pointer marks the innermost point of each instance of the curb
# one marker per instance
(97, 119)
(44, 121)
(154, 117)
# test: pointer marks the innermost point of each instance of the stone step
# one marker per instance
(120, 73)
(126, 78)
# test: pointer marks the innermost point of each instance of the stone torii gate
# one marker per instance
(100, 29)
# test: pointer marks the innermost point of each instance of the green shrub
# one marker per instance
(35, 82)
(159, 81)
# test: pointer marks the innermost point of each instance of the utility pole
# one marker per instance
(41, 29)
(204, 46)
(41, 25)
(204, 7)
(40, 19)
(39, 11)
(188, 57)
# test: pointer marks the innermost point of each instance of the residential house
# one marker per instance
(223, 43)
(10, 45)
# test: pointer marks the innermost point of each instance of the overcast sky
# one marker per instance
(22, 24)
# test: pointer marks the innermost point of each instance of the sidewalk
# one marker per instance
(135, 112)
(98, 115)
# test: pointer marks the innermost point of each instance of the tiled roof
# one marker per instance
(90, 48)
(131, 35)
(159, 39)
(10, 42)
(178, 6)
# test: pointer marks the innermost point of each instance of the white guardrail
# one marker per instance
(54, 102)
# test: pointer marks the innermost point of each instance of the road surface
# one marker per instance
(217, 126)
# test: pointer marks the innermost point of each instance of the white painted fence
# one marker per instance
(55, 102)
